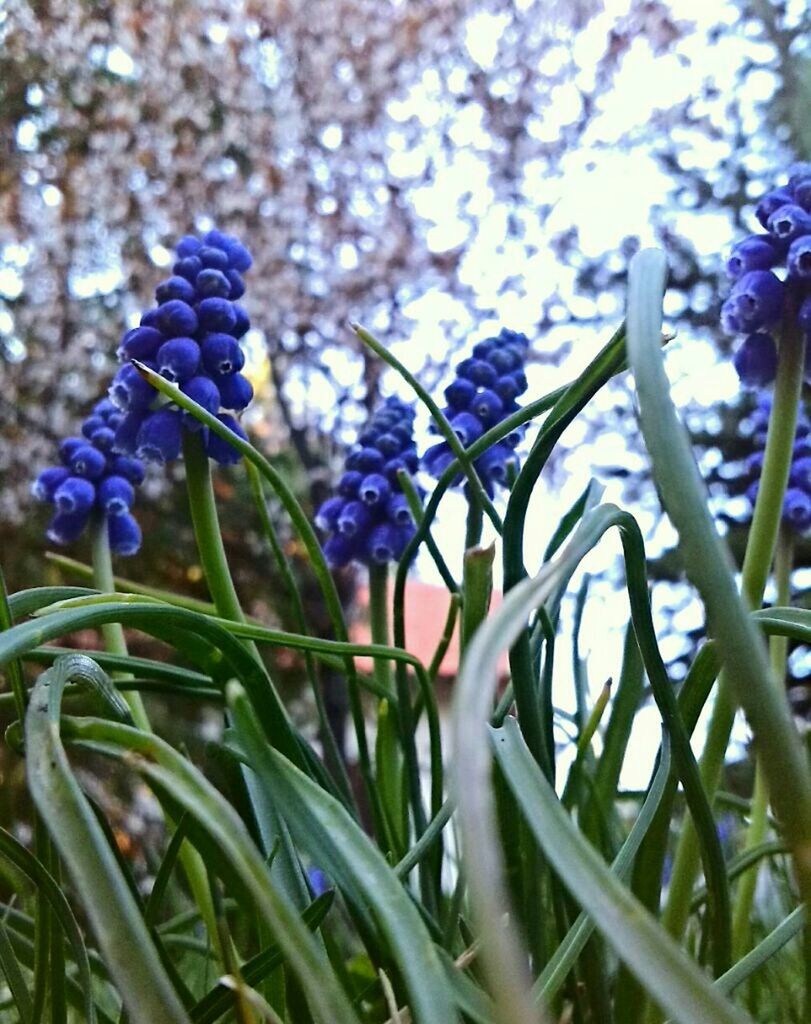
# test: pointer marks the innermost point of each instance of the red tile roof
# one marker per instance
(426, 612)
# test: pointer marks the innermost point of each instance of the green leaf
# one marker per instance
(15, 673)
(507, 624)
(763, 952)
(589, 499)
(322, 827)
(390, 776)
(24, 951)
(114, 916)
(10, 966)
(171, 774)
(568, 406)
(296, 613)
(678, 984)
(302, 526)
(145, 667)
(475, 690)
(565, 956)
(36, 871)
(220, 999)
(24, 602)
(478, 588)
(127, 586)
(710, 567)
(159, 619)
(599, 810)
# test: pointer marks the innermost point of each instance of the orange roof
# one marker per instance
(426, 612)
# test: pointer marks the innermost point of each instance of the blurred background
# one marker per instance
(434, 170)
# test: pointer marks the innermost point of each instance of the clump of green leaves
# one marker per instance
(488, 886)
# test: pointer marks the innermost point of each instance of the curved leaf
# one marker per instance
(565, 956)
(113, 913)
(710, 567)
(172, 774)
(679, 985)
(322, 826)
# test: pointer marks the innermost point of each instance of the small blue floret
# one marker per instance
(74, 495)
(223, 451)
(160, 437)
(178, 359)
(92, 480)
(124, 534)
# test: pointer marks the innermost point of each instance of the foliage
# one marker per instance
(422, 167)
(281, 891)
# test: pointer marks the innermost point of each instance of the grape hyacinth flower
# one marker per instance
(796, 513)
(771, 275)
(369, 519)
(482, 394)
(93, 478)
(192, 339)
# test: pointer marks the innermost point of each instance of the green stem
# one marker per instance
(116, 644)
(755, 571)
(14, 670)
(310, 541)
(475, 521)
(331, 747)
(207, 532)
(205, 520)
(388, 756)
(758, 822)
(113, 632)
(379, 620)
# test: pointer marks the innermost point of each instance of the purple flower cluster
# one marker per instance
(369, 519)
(93, 479)
(482, 394)
(760, 299)
(192, 339)
(797, 502)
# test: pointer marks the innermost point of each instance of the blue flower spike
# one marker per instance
(93, 480)
(482, 394)
(796, 514)
(369, 520)
(771, 275)
(192, 339)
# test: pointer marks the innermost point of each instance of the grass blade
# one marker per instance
(710, 568)
(114, 916)
(173, 776)
(764, 951)
(36, 871)
(565, 956)
(10, 966)
(680, 986)
(220, 999)
(320, 825)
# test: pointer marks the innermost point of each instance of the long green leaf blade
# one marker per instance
(113, 913)
(710, 568)
(173, 775)
(356, 855)
(679, 985)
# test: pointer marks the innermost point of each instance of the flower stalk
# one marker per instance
(115, 643)
(758, 821)
(757, 563)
